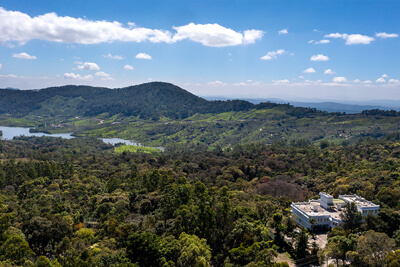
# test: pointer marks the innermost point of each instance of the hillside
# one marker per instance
(148, 101)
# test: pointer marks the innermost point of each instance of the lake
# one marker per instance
(10, 132)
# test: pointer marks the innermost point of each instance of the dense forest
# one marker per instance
(79, 203)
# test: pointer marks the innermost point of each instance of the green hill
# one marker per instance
(150, 101)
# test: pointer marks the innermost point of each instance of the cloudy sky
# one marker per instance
(295, 50)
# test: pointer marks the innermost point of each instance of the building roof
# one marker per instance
(313, 208)
(359, 201)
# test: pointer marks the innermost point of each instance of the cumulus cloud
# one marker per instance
(285, 81)
(367, 81)
(1, 66)
(329, 71)
(356, 81)
(380, 80)
(51, 27)
(215, 35)
(352, 39)
(251, 36)
(104, 76)
(319, 57)
(385, 35)
(217, 83)
(284, 31)
(117, 57)
(24, 55)
(311, 41)
(394, 81)
(385, 76)
(339, 80)
(143, 56)
(273, 54)
(323, 41)
(128, 67)
(88, 66)
(22, 28)
(309, 70)
(77, 76)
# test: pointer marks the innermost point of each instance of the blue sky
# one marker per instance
(295, 50)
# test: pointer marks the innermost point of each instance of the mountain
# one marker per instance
(347, 107)
(148, 101)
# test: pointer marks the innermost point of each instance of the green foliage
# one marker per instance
(351, 217)
(137, 149)
(86, 205)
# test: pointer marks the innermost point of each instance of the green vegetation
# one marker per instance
(77, 202)
(219, 195)
(136, 149)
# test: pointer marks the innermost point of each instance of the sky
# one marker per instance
(293, 50)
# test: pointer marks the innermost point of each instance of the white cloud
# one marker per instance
(394, 81)
(301, 77)
(323, 41)
(385, 76)
(285, 81)
(335, 35)
(283, 31)
(24, 55)
(385, 35)
(315, 30)
(215, 35)
(329, 71)
(143, 56)
(251, 36)
(1, 66)
(273, 54)
(339, 80)
(240, 84)
(104, 76)
(309, 70)
(367, 81)
(358, 39)
(319, 57)
(356, 81)
(51, 27)
(352, 39)
(217, 83)
(311, 41)
(88, 66)
(22, 28)
(77, 76)
(128, 67)
(8, 76)
(117, 57)
(380, 80)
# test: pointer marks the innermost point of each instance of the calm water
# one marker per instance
(10, 132)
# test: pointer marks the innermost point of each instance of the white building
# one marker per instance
(326, 211)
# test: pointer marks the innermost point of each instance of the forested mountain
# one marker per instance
(149, 101)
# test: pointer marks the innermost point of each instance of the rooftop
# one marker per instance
(359, 201)
(313, 208)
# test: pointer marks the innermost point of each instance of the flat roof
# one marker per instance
(337, 201)
(308, 208)
(359, 201)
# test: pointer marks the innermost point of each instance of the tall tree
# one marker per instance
(351, 217)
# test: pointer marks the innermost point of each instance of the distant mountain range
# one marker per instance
(149, 101)
(348, 107)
